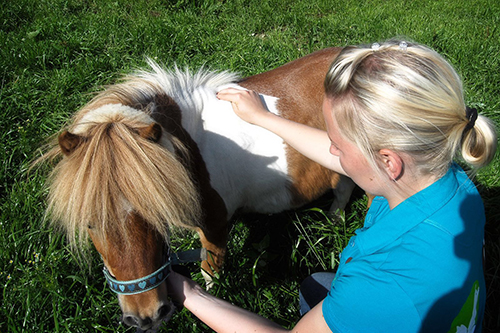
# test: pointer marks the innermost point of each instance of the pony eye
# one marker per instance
(90, 227)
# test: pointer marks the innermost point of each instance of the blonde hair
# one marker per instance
(407, 98)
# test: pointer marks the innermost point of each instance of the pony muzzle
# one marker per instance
(139, 286)
(163, 315)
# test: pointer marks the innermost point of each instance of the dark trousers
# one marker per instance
(314, 289)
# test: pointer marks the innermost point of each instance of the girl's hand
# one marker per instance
(247, 104)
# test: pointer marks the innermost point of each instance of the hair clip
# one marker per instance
(403, 46)
(375, 46)
(471, 114)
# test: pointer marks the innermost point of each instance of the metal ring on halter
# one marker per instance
(141, 285)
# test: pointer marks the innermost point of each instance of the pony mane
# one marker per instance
(114, 171)
(185, 86)
(182, 83)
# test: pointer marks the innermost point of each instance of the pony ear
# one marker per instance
(69, 142)
(151, 132)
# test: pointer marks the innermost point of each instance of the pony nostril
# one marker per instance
(164, 311)
(134, 321)
(131, 321)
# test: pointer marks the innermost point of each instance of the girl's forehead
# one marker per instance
(328, 114)
(327, 108)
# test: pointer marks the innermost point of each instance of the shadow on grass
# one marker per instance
(270, 255)
(491, 198)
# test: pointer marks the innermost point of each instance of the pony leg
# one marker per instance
(215, 241)
(342, 193)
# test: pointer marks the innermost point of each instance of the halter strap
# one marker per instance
(132, 287)
(153, 280)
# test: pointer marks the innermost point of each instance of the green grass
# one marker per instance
(54, 53)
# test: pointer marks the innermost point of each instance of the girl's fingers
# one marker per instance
(247, 104)
(231, 94)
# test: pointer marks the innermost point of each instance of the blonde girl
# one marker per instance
(396, 122)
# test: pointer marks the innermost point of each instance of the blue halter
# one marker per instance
(153, 280)
(141, 285)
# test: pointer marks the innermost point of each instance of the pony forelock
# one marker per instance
(115, 172)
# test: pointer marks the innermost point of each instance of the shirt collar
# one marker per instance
(384, 226)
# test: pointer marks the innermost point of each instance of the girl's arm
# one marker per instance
(311, 142)
(222, 316)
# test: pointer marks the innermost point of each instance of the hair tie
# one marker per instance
(471, 114)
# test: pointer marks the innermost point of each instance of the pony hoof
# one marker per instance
(209, 280)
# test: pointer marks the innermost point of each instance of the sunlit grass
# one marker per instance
(55, 53)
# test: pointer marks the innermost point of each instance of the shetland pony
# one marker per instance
(160, 150)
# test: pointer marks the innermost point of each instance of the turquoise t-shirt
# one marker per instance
(415, 268)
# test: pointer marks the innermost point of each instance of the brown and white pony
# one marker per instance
(160, 150)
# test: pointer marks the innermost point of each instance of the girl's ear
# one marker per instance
(392, 163)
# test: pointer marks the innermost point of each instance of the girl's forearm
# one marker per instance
(222, 316)
(310, 142)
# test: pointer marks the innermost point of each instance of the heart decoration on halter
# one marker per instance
(141, 285)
